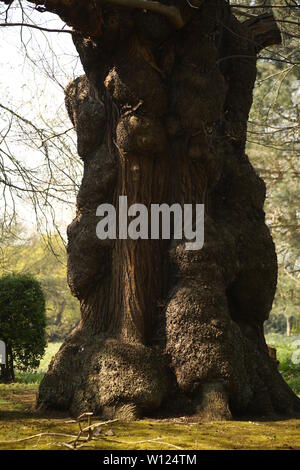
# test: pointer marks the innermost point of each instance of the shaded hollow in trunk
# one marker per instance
(161, 117)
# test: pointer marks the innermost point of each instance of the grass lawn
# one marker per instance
(19, 421)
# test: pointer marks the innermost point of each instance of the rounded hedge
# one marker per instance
(23, 319)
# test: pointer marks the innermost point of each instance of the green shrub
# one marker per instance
(22, 322)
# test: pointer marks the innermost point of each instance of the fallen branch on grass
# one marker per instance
(35, 436)
(75, 438)
(80, 440)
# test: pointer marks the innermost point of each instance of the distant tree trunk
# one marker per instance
(61, 308)
(7, 370)
(161, 117)
(5, 376)
(10, 363)
(2, 373)
(288, 325)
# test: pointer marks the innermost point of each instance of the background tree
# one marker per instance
(168, 86)
(274, 149)
(45, 259)
(22, 322)
(39, 168)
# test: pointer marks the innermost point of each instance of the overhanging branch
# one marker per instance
(265, 30)
(169, 11)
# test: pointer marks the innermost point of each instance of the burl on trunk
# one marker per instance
(161, 117)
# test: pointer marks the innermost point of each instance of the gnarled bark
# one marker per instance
(161, 116)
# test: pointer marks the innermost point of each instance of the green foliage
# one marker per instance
(29, 377)
(51, 350)
(35, 376)
(275, 324)
(274, 150)
(23, 319)
(45, 258)
(285, 349)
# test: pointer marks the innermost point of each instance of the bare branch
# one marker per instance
(264, 30)
(48, 30)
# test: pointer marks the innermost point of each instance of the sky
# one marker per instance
(34, 68)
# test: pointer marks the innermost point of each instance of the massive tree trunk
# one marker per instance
(161, 117)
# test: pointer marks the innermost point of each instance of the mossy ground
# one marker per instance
(19, 420)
